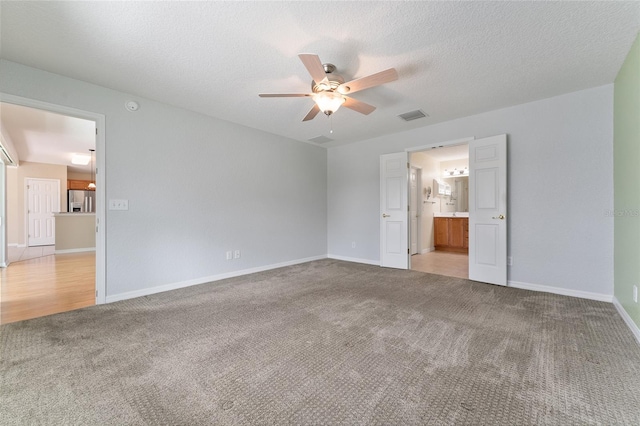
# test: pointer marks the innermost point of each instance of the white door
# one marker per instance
(43, 197)
(413, 210)
(394, 247)
(488, 210)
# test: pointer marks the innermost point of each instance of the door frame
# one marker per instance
(3, 214)
(453, 142)
(101, 217)
(26, 205)
(418, 207)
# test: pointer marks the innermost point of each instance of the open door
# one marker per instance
(488, 210)
(394, 246)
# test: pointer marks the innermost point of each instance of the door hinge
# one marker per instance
(96, 130)
(408, 251)
(408, 166)
(96, 229)
(96, 293)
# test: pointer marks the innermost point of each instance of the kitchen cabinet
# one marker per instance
(451, 234)
(79, 184)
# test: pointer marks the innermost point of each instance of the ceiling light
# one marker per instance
(80, 159)
(455, 172)
(328, 102)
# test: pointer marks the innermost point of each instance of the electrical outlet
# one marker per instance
(118, 204)
(229, 255)
(236, 254)
(635, 293)
(353, 244)
(509, 260)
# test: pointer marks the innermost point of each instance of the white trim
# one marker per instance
(460, 141)
(76, 250)
(627, 319)
(354, 259)
(204, 280)
(101, 216)
(563, 291)
(428, 250)
(16, 245)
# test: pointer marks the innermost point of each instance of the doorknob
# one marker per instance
(501, 217)
(386, 215)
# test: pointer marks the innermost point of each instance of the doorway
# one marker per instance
(89, 261)
(483, 233)
(441, 220)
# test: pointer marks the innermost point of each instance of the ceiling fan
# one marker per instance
(329, 89)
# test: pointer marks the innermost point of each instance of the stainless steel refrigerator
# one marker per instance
(81, 201)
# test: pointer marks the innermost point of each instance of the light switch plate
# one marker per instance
(118, 204)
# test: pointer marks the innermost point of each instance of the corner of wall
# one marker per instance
(626, 213)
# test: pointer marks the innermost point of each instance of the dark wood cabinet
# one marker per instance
(79, 184)
(451, 234)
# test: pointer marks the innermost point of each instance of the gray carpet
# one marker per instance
(325, 342)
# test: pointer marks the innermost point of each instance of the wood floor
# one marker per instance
(442, 263)
(47, 285)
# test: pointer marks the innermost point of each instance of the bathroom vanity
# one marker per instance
(451, 232)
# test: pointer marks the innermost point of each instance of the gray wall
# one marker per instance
(560, 187)
(197, 187)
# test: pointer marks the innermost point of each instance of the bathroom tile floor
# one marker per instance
(442, 263)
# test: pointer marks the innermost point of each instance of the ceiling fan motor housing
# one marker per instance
(335, 80)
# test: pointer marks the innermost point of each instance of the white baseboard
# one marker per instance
(203, 280)
(563, 291)
(627, 319)
(78, 250)
(354, 259)
(427, 250)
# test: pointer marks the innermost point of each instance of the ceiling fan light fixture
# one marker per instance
(328, 102)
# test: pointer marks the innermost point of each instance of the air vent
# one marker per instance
(321, 139)
(413, 115)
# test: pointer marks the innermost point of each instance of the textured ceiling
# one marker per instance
(453, 58)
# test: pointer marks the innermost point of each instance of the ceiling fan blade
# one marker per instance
(312, 114)
(372, 80)
(284, 95)
(359, 106)
(314, 66)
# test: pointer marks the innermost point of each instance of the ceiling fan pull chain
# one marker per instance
(331, 123)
